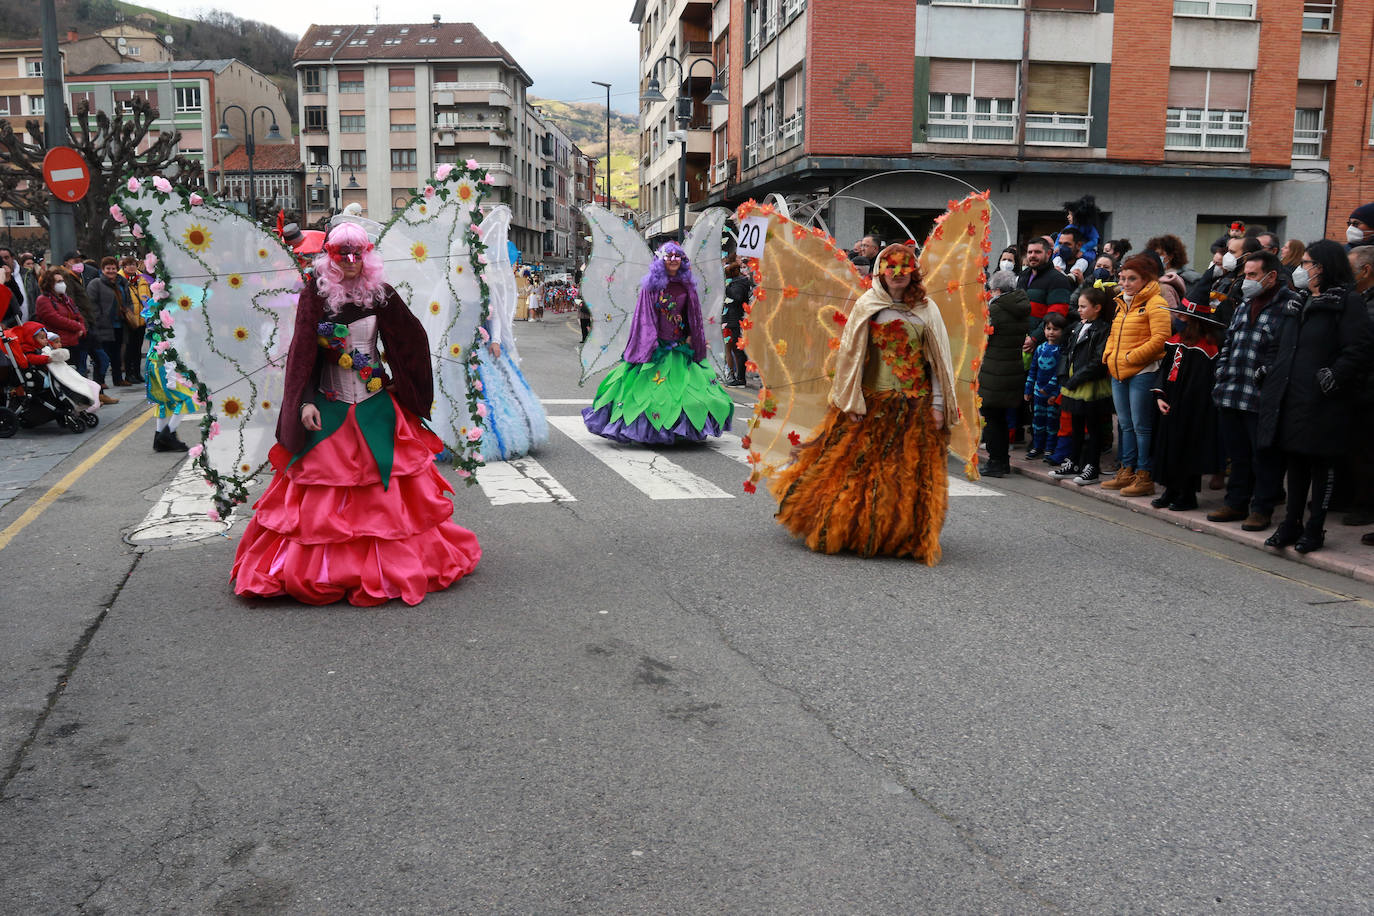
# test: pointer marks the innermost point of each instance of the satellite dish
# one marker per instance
(168, 40)
(122, 46)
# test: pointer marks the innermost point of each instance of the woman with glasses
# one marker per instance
(663, 391)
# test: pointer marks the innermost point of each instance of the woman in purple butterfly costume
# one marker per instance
(662, 391)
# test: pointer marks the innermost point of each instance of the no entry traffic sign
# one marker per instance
(65, 173)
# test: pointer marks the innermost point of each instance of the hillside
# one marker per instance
(213, 34)
(585, 123)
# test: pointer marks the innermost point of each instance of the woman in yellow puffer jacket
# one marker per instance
(1134, 349)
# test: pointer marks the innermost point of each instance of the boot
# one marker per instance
(1312, 539)
(1124, 478)
(1164, 499)
(1142, 485)
(174, 444)
(160, 442)
(1287, 533)
(106, 399)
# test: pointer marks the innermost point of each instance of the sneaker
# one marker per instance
(1088, 477)
(1034, 453)
(1066, 470)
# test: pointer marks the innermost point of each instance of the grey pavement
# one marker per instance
(640, 706)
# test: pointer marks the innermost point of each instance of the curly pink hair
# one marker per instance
(368, 288)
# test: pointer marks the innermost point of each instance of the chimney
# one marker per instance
(71, 34)
(436, 21)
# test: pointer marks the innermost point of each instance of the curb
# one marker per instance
(1343, 553)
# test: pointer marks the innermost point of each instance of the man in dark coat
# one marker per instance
(1002, 378)
(1047, 288)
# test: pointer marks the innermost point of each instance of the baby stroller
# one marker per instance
(36, 390)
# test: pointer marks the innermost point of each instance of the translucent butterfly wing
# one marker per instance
(228, 315)
(500, 277)
(952, 267)
(704, 251)
(806, 289)
(610, 287)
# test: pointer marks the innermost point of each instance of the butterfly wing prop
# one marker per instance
(703, 251)
(226, 293)
(806, 288)
(952, 267)
(610, 287)
(494, 229)
(435, 259)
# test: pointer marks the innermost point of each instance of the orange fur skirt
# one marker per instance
(878, 487)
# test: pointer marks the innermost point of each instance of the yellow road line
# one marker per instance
(50, 497)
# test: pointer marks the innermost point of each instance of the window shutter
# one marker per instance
(150, 95)
(350, 76)
(123, 95)
(1311, 95)
(445, 74)
(1062, 88)
(1229, 91)
(789, 93)
(951, 77)
(403, 116)
(401, 76)
(1187, 88)
(994, 79)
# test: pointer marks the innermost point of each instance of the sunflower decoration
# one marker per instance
(262, 252)
(245, 468)
(197, 238)
(465, 189)
(231, 407)
(434, 307)
(266, 405)
(423, 209)
(184, 302)
(235, 281)
(240, 333)
(456, 351)
(419, 252)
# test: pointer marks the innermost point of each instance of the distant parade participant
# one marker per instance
(662, 391)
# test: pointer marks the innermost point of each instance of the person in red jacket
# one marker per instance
(57, 311)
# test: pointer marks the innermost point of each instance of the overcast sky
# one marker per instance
(562, 44)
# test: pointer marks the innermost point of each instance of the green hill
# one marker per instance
(585, 123)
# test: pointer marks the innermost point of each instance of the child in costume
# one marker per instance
(1082, 215)
(1185, 438)
(874, 476)
(1042, 388)
(356, 508)
(662, 391)
(167, 392)
(1085, 388)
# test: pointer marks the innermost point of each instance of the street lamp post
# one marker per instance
(607, 177)
(683, 102)
(249, 146)
(335, 173)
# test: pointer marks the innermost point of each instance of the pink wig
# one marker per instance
(366, 289)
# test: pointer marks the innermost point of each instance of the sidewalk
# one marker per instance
(1343, 554)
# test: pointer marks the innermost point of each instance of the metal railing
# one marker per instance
(792, 129)
(1219, 9)
(472, 87)
(971, 127)
(791, 9)
(721, 172)
(1055, 129)
(1307, 144)
(1201, 129)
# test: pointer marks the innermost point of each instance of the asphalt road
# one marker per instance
(645, 705)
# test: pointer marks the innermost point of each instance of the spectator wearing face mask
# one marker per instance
(1256, 480)
(1048, 290)
(1359, 228)
(1010, 259)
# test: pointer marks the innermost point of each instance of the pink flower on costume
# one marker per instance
(133, 186)
(482, 332)
(165, 317)
(161, 346)
(483, 259)
(194, 451)
(162, 184)
(477, 386)
(477, 456)
(214, 429)
(475, 434)
(429, 190)
(463, 473)
(149, 262)
(137, 230)
(487, 179)
(157, 288)
(196, 200)
(472, 164)
(118, 214)
(213, 515)
(443, 171)
(482, 410)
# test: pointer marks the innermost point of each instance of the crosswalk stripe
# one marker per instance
(181, 513)
(958, 486)
(566, 402)
(731, 447)
(520, 480)
(648, 471)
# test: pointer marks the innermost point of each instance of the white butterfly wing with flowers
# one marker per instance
(226, 293)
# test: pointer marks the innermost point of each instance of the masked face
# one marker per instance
(1006, 264)
(1355, 232)
(1228, 262)
(60, 288)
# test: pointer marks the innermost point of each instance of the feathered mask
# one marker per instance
(897, 260)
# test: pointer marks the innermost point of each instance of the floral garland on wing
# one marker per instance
(231, 489)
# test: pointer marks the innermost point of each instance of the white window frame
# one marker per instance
(348, 126)
(1321, 14)
(1216, 9)
(185, 93)
(1306, 138)
(1208, 124)
(35, 69)
(1069, 129)
(1015, 4)
(36, 106)
(970, 113)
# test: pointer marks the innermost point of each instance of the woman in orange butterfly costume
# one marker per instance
(873, 479)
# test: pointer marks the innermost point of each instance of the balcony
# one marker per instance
(987, 126)
(494, 94)
(1199, 129)
(1307, 144)
(792, 126)
(721, 172)
(791, 9)
(1054, 129)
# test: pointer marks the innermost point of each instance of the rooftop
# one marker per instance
(427, 41)
(267, 157)
(156, 66)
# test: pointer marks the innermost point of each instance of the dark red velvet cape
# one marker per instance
(407, 360)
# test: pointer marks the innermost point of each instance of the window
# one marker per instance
(352, 123)
(1208, 110)
(1319, 16)
(401, 79)
(1057, 105)
(403, 120)
(427, 41)
(1221, 9)
(1308, 117)
(323, 44)
(751, 135)
(310, 80)
(316, 119)
(79, 97)
(403, 160)
(445, 75)
(188, 98)
(972, 101)
(357, 43)
(135, 50)
(15, 217)
(316, 156)
(36, 105)
(9, 106)
(355, 160)
(35, 68)
(983, 2)
(350, 81)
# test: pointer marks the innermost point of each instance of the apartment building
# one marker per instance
(382, 105)
(1178, 115)
(675, 48)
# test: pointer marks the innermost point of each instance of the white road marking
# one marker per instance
(566, 402)
(648, 471)
(729, 446)
(181, 514)
(958, 486)
(520, 480)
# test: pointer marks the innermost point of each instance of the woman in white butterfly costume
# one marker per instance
(653, 312)
(357, 509)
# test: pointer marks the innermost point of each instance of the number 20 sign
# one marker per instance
(752, 234)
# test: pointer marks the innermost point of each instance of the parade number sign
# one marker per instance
(65, 173)
(752, 234)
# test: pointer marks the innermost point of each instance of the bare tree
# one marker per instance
(111, 150)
